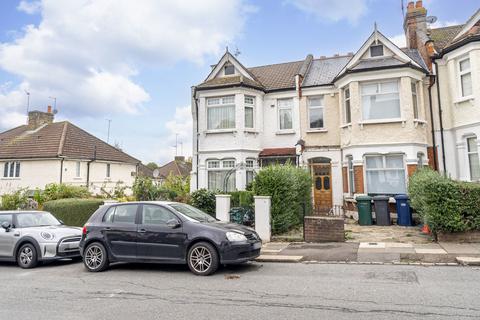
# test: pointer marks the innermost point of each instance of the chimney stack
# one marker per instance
(37, 119)
(179, 159)
(415, 26)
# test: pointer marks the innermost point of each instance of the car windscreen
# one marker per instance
(36, 219)
(192, 212)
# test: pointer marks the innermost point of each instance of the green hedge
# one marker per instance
(73, 212)
(445, 205)
(204, 199)
(242, 199)
(290, 188)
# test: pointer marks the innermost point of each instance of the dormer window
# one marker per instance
(229, 69)
(376, 50)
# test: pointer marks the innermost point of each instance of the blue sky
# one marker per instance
(135, 61)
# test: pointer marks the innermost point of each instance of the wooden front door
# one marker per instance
(322, 187)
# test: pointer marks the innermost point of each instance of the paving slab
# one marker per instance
(278, 258)
(400, 250)
(269, 251)
(372, 245)
(377, 257)
(398, 245)
(430, 251)
(276, 245)
(469, 261)
(460, 248)
(331, 251)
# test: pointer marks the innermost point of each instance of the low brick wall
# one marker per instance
(324, 229)
(469, 236)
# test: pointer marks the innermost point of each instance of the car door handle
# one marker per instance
(142, 231)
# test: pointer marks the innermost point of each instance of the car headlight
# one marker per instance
(235, 236)
(47, 235)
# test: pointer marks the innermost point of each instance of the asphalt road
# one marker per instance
(65, 290)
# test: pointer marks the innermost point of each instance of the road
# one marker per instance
(64, 290)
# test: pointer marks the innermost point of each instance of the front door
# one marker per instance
(322, 187)
(157, 240)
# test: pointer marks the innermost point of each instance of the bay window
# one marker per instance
(249, 165)
(465, 77)
(249, 112)
(315, 112)
(351, 175)
(285, 113)
(414, 99)
(380, 100)
(473, 160)
(11, 169)
(221, 113)
(221, 175)
(385, 174)
(348, 109)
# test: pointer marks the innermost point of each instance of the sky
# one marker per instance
(134, 62)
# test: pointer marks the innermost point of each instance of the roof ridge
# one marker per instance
(446, 27)
(276, 64)
(62, 139)
(333, 57)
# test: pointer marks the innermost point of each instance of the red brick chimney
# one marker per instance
(415, 26)
(36, 119)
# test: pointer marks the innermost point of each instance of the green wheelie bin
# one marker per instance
(364, 205)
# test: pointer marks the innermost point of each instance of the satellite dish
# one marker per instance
(431, 19)
(156, 173)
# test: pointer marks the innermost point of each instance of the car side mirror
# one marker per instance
(61, 222)
(173, 223)
(6, 225)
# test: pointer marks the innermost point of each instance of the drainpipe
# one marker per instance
(432, 82)
(440, 118)
(61, 170)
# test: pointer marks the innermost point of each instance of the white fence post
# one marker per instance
(262, 217)
(222, 207)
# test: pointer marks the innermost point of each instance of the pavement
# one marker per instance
(373, 252)
(64, 290)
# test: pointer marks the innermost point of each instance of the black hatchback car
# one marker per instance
(164, 232)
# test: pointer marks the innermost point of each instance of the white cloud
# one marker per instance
(399, 40)
(87, 53)
(333, 11)
(29, 7)
(181, 128)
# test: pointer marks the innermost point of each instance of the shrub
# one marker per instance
(445, 205)
(290, 190)
(56, 191)
(73, 212)
(203, 199)
(15, 200)
(177, 184)
(242, 198)
(144, 189)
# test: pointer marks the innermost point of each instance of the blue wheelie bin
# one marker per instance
(404, 212)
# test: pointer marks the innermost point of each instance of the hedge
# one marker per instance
(446, 205)
(73, 212)
(204, 200)
(242, 199)
(290, 190)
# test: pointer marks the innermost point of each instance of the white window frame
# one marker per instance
(321, 107)
(78, 169)
(249, 169)
(462, 73)
(384, 168)
(345, 100)
(415, 101)
(350, 175)
(108, 172)
(221, 165)
(379, 83)
(12, 170)
(248, 105)
(420, 159)
(221, 104)
(225, 68)
(284, 108)
(470, 153)
(377, 45)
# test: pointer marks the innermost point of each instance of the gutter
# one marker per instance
(440, 117)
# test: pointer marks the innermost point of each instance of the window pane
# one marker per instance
(108, 217)
(347, 93)
(474, 166)
(414, 100)
(374, 162)
(472, 144)
(213, 101)
(213, 164)
(5, 170)
(228, 99)
(389, 87)
(466, 80)
(17, 169)
(229, 70)
(382, 106)
(465, 65)
(216, 180)
(376, 51)
(249, 177)
(370, 88)
(394, 161)
(285, 103)
(249, 100)
(386, 181)
(285, 119)
(229, 163)
(221, 117)
(326, 183)
(248, 117)
(5, 218)
(125, 214)
(316, 118)
(12, 169)
(249, 163)
(315, 102)
(348, 112)
(156, 215)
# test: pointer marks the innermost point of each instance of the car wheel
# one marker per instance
(203, 259)
(95, 257)
(27, 256)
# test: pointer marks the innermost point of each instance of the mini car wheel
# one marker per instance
(203, 259)
(27, 256)
(95, 257)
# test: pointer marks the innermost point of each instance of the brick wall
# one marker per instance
(411, 168)
(431, 162)
(358, 174)
(324, 229)
(345, 179)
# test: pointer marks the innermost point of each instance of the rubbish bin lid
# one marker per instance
(364, 198)
(401, 197)
(384, 198)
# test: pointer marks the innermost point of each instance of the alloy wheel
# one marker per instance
(94, 257)
(26, 256)
(200, 259)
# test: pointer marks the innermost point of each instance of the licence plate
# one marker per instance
(257, 245)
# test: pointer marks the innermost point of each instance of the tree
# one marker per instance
(152, 165)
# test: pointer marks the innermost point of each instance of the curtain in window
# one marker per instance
(285, 113)
(385, 174)
(380, 101)
(248, 117)
(216, 180)
(466, 80)
(473, 159)
(221, 117)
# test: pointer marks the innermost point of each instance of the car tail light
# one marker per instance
(84, 230)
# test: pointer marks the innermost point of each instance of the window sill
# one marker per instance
(251, 131)
(381, 121)
(9, 178)
(317, 130)
(464, 99)
(220, 131)
(346, 125)
(419, 121)
(281, 132)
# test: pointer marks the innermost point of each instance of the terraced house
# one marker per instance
(362, 123)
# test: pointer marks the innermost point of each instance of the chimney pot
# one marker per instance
(179, 159)
(419, 4)
(49, 109)
(411, 5)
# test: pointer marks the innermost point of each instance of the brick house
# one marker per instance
(44, 151)
(361, 123)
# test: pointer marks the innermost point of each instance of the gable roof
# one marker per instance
(278, 76)
(58, 140)
(175, 167)
(443, 36)
(323, 71)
